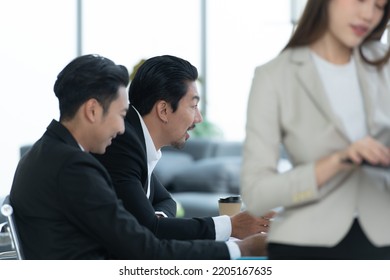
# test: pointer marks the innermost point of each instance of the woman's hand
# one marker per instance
(366, 149)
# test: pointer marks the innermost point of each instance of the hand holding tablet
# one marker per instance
(365, 163)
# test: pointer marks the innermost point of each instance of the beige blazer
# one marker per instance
(288, 105)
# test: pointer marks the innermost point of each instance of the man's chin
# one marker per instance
(99, 150)
(178, 144)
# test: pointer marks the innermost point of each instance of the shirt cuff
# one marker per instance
(223, 227)
(234, 250)
(161, 213)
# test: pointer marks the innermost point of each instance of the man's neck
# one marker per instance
(154, 131)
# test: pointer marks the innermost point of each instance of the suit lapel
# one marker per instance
(135, 126)
(369, 88)
(308, 77)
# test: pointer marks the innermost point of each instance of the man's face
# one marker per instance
(110, 124)
(184, 118)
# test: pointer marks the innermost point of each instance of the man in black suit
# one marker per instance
(164, 107)
(64, 201)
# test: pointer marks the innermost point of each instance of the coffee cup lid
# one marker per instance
(236, 198)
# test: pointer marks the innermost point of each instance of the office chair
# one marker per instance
(7, 251)
(7, 211)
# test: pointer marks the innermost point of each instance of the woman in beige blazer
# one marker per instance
(326, 98)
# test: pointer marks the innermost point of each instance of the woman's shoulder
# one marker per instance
(288, 57)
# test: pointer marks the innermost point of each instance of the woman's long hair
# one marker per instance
(314, 23)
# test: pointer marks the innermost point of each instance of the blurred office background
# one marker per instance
(224, 39)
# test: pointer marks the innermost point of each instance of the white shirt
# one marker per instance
(343, 91)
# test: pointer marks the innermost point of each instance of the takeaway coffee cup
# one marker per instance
(230, 205)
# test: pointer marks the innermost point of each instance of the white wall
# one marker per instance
(129, 30)
(242, 35)
(37, 39)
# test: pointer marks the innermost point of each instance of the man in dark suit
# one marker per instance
(64, 201)
(164, 107)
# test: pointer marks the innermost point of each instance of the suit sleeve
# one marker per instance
(162, 199)
(262, 186)
(92, 205)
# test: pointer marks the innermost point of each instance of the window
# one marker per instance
(40, 40)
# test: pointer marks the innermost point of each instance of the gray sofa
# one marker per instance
(200, 173)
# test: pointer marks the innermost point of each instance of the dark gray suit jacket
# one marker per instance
(66, 208)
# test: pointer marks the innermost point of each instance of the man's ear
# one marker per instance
(91, 109)
(162, 108)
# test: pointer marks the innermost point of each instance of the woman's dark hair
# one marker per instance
(86, 77)
(163, 77)
(314, 23)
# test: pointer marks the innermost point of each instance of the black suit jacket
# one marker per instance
(126, 161)
(66, 208)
